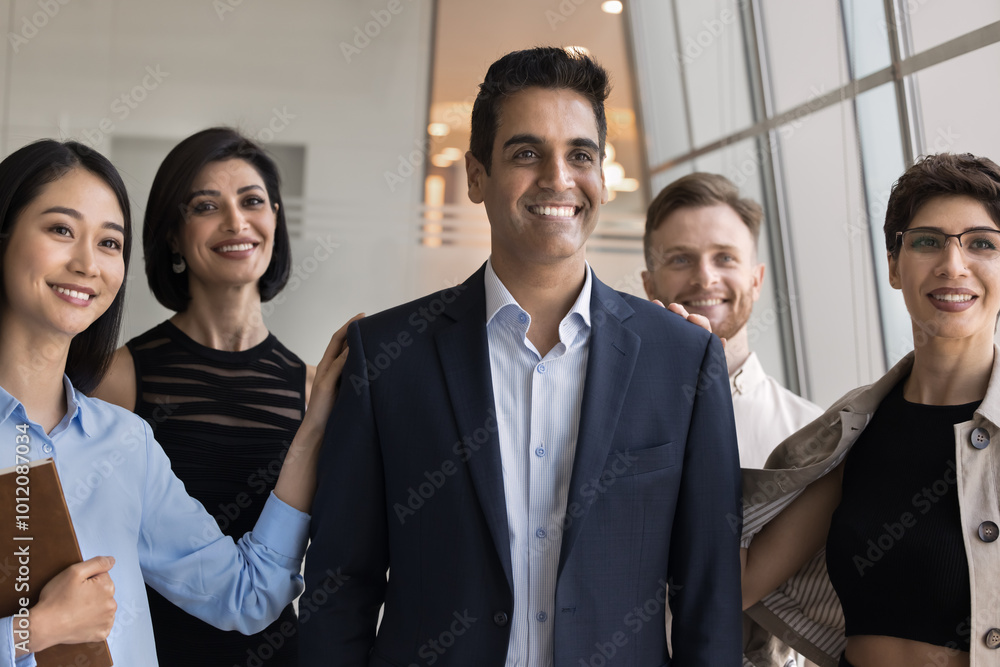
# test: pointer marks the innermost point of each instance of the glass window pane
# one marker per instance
(882, 152)
(658, 79)
(832, 267)
(958, 102)
(803, 64)
(933, 23)
(867, 36)
(713, 53)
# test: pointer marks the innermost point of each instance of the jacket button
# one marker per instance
(501, 619)
(980, 438)
(988, 531)
(993, 639)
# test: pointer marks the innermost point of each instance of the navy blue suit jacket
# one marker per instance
(410, 481)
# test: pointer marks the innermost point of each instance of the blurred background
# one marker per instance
(812, 107)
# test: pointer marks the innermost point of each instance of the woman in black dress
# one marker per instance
(224, 397)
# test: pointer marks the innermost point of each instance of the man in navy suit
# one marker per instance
(540, 463)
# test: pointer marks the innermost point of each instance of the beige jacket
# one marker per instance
(805, 612)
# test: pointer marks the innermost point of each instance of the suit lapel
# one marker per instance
(612, 356)
(465, 359)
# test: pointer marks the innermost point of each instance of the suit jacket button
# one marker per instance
(980, 438)
(501, 619)
(993, 639)
(988, 531)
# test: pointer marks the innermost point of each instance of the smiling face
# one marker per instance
(950, 294)
(63, 263)
(227, 235)
(705, 260)
(546, 185)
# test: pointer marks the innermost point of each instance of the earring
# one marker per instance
(177, 263)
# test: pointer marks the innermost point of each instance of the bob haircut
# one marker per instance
(541, 67)
(22, 176)
(941, 175)
(167, 207)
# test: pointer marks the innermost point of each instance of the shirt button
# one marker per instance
(542, 616)
(522, 318)
(540, 532)
(988, 531)
(993, 638)
(500, 618)
(47, 448)
(540, 452)
(980, 438)
(541, 368)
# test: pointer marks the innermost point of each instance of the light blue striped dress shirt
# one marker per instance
(538, 403)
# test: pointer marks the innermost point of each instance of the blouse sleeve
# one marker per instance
(7, 651)
(184, 555)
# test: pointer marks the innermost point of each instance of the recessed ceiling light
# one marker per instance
(612, 6)
(438, 129)
(577, 50)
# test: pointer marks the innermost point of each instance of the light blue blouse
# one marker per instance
(125, 502)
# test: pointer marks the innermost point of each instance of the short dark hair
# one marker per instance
(166, 208)
(697, 190)
(23, 174)
(941, 175)
(541, 67)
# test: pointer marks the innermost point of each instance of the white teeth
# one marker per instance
(957, 298)
(235, 248)
(706, 302)
(73, 293)
(555, 211)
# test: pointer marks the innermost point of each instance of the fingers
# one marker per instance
(679, 309)
(94, 566)
(336, 348)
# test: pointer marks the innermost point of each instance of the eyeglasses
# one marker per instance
(980, 244)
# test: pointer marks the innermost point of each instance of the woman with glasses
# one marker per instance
(871, 537)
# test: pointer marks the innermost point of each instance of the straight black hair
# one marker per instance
(167, 207)
(23, 174)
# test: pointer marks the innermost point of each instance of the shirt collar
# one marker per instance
(498, 297)
(748, 376)
(9, 404)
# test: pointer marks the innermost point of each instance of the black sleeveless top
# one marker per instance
(895, 552)
(225, 420)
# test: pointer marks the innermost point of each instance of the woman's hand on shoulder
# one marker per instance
(118, 385)
(76, 606)
(322, 391)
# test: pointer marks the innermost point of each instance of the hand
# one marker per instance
(296, 483)
(693, 318)
(76, 606)
(324, 387)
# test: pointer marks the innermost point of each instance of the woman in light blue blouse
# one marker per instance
(65, 235)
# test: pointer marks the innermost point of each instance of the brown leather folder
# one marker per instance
(38, 543)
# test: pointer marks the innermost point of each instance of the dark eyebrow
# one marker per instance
(200, 193)
(76, 215)
(583, 142)
(580, 142)
(71, 212)
(249, 187)
(523, 139)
